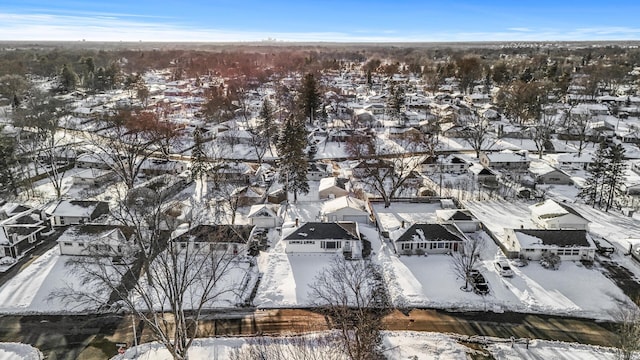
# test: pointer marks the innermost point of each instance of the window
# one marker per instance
(330, 244)
(81, 244)
(183, 246)
(68, 244)
(440, 245)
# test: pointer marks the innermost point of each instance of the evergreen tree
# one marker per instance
(293, 160)
(396, 101)
(8, 161)
(68, 79)
(592, 190)
(267, 127)
(198, 156)
(614, 175)
(309, 97)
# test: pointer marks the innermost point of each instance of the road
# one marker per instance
(94, 337)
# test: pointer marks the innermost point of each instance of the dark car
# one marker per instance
(479, 283)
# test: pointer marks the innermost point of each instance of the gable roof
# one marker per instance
(94, 232)
(550, 209)
(217, 233)
(344, 202)
(431, 232)
(81, 208)
(321, 231)
(562, 238)
(455, 214)
(263, 210)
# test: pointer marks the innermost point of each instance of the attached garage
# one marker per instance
(264, 216)
(345, 208)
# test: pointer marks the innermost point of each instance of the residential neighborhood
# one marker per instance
(194, 190)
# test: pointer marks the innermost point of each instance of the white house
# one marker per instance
(430, 239)
(568, 244)
(552, 215)
(450, 164)
(93, 176)
(96, 240)
(264, 216)
(462, 218)
(506, 159)
(318, 170)
(543, 173)
(332, 237)
(345, 208)
(332, 188)
(74, 212)
(231, 239)
(20, 229)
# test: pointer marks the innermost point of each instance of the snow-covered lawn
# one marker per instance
(31, 289)
(397, 345)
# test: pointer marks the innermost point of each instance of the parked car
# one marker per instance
(479, 283)
(503, 268)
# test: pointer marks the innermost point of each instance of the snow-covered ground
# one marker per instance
(16, 351)
(30, 291)
(397, 345)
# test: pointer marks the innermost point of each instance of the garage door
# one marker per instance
(265, 223)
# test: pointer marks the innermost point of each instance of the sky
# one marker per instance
(312, 20)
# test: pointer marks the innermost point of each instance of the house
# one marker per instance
(94, 161)
(20, 229)
(248, 195)
(231, 239)
(264, 216)
(568, 244)
(331, 237)
(166, 185)
(96, 240)
(450, 164)
(462, 218)
(345, 208)
(365, 168)
(546, 174)
(430, 239)
(505, 160)
(93, 177)
(552, 215)
(573, 161)
(75, 212)
(154, 167)
(332, 188)
(318, 170)
(484, 176)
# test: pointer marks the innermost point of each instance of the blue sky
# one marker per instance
(328, 20)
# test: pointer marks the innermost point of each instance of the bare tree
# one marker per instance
(541, 133)
(129, 139)
(169, 293)
(464, 261)
(627, 329)
(476, 132)
(354, 297)
(316, 347)
(578, 124)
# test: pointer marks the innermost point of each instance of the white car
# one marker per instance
(503, 268)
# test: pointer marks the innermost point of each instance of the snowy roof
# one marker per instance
(217, 233)
(550, 209)
(321, 231)
(92, 173)
(431, 232)
(79, 208)
(574, 158)
(263, 210)
(529, 238)
(454, 214)
(507, 156)
(344, 202)
(329, 182)
(542, 168)
(92, 233)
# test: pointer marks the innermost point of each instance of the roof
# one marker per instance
(344, 202)
(80, 208)
(507, 156)
(454, 214)
(263, 210)
(94, 232)
(563, 238)
(431, 232)
(549, 209)
(217, 233)
(321, 231)
(328, 182)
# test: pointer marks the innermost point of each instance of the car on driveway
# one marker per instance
(503, 268)
(479, 283)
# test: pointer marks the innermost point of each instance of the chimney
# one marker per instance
(297, 222)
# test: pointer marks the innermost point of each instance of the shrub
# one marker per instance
(550, 260)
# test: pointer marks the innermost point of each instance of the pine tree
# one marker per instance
(592, 190)
(198, 157)
(267, 127)
(614, 174)
(293, 160)
(309, 97)
(8, 162)
(68, 79)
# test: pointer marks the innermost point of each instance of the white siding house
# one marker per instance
(333, 237)
(345, 208)
(95, 240)
(231, 239)
(463, 219)
(552, 215)
(568, 244)
(430, 239)
(331, 188)
(264, 216)
(74, 212)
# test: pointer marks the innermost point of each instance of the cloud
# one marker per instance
(123, 27)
